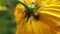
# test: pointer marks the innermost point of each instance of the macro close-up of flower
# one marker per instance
(37, 17)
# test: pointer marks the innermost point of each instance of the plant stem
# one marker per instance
(27, 8)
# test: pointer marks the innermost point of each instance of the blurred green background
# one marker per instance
(7, 22)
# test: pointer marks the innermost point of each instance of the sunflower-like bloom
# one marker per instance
(44, 20)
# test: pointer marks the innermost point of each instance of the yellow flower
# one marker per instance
(48, 21)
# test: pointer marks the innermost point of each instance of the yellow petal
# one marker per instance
(54, 2)
(41, 2)
(19, 12)
(52, 13)
(46, 2)
(27, 2)
(41, 26)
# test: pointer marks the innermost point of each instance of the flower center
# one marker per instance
(31, 10)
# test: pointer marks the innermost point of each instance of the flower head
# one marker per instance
(43, 17)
